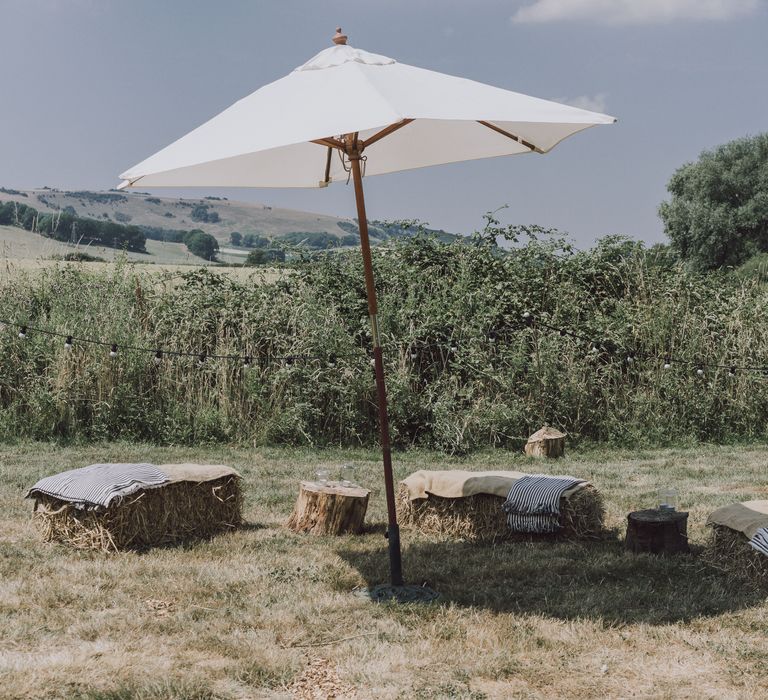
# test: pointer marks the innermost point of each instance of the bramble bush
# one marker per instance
(463, 372)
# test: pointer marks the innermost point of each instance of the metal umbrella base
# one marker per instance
(387, 593)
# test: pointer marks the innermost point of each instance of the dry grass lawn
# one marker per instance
(265, 613)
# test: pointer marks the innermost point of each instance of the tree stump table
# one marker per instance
(658, 531)
(329, 509)
(547, 442)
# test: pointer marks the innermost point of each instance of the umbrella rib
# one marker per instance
(330, 142)
(509, 135)
(386, 131)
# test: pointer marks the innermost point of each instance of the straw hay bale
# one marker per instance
(729, 551)
(480, 518)
(168, 514)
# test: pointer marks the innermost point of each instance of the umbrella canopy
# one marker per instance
(266, 139)
(348, 113)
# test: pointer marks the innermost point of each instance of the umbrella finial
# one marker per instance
(339, 38)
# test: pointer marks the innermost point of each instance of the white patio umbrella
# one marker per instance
(364, 108)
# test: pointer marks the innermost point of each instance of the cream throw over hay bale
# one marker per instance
(196, 472)
(746, 518)
(462, 484)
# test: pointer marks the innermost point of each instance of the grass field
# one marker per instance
(18, 245)
(22, 251)
(258, 612)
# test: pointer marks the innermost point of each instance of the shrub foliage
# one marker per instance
(462, 371)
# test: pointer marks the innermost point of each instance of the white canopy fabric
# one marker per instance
(265, 139)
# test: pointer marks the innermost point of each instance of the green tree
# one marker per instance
(29, 217)
(264, 256)
(202, 244)
(252, 240)
(236, 238)
(718, 211)
(7, 214)
(201, 213)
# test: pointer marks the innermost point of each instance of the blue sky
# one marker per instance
(91, 87)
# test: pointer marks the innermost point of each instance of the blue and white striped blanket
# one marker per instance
(99, 485)
(533, 502)
(759, 541)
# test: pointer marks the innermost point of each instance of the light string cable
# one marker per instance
(528, 321)
(159, 352)
(630, 355)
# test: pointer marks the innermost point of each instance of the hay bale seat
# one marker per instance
(179, 511)
(479, 517)
(728, 548)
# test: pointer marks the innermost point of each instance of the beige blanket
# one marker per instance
(461, 484)
(196, 472)
(747, 517)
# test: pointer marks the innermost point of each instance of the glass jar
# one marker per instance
(321, 476)
(348, 475)
(667, 498)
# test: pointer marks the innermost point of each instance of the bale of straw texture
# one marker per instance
(165, 515)
(728, 550)
(480, 518)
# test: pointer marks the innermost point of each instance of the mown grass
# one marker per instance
(242, 615)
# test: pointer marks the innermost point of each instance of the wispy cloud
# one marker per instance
(594, 103)
(633, 11)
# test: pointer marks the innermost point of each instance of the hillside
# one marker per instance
(163, 220)
(219, 217)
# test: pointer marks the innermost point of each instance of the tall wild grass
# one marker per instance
(462, 371)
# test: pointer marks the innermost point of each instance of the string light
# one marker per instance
(596, 346)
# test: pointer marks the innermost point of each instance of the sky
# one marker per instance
(92, 87)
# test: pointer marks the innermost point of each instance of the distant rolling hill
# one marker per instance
(215, 215)
(221, 218)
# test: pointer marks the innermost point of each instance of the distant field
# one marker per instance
(22, 250)
(18, 244)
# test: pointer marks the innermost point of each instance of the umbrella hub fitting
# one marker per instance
(353, 150)
(353, 147)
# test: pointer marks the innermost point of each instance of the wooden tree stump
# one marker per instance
(547, 442)
(657, 531)
(329, 509)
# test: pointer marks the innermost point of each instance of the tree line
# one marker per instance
(66, 226)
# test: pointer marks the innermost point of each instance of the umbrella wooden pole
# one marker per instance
(393, 531)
